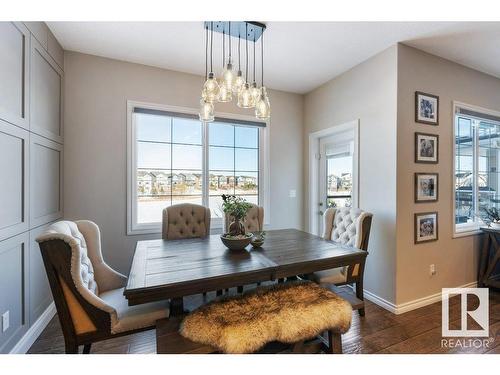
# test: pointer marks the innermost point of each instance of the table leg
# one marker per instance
(176, 306)
(483, 260)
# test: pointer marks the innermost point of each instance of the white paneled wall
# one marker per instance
(31, 146)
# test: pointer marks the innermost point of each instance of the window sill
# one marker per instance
(467, 233)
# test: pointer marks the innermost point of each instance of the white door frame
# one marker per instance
(314, 153)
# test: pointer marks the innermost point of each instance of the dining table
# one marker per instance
(174, 269)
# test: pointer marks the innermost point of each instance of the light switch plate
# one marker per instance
(5, 321)
(293, 193)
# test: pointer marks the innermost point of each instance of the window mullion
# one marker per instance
(475, 181)
(205, 165)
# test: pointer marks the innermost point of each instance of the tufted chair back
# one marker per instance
(254, 220)
(348, 226)
(185, 220)
(77, 273)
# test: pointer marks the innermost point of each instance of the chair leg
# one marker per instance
(86, 349)
(359, 295)
(334, 343)
(70, 348)
(240, 289)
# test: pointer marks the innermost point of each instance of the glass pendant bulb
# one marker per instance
(255, 92)
(245, 98)
(206, 111)
(225, 94)
(263, 107)
(238, 82)
(211, 89)
(228, 76)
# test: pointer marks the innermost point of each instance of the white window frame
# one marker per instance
(134, 228)
(465, 229)
(314, 169)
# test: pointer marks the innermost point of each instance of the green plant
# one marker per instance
(237, 208)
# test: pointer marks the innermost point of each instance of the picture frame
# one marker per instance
(426, 227)
(426, 148)
(426, 187)
(426, 108)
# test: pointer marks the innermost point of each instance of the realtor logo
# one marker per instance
(477, 315)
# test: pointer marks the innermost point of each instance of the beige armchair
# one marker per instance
(254, 220)
(88, 294)
(350, 227)
(185, 220)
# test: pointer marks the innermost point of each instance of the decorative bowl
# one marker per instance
(236, 242)
(257, 242)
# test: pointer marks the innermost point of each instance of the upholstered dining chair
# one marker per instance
(185, 220)
(351, 227)
(254, 219)
(88, 294)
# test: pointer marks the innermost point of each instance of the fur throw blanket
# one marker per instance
(288, 313)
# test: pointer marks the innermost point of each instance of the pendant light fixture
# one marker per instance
(211, 88)
(229, 83)
(206, 113)
(262, 107)
(225, 92)
(228, 75)
(238, 81)
(254, 90)
(245, 98)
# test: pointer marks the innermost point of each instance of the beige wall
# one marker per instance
(96, 91)
(455, 259)
(368, 93)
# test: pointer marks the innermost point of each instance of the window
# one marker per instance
(174, 158)
(339, 165)
(477, 166)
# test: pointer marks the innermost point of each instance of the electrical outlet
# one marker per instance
(432, 269)
(5, 321)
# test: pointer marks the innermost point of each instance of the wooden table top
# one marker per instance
(168, 269)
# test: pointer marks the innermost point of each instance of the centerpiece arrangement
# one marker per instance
(237, 208)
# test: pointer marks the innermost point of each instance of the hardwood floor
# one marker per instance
(417, 331)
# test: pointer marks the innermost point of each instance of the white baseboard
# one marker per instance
(411, 305)
(34, 331)
(389, 306)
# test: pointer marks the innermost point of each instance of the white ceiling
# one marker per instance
(299, 56)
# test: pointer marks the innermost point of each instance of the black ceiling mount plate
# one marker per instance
(238, 28)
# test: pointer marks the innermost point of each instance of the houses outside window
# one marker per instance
(477, 166)
(174, 158)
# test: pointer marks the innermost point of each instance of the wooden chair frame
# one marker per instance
(56, 255)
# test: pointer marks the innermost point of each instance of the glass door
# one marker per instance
(336, 173)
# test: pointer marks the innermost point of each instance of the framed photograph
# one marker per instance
(426, 108)
(426, 148)
(426, 187)
(426, 227)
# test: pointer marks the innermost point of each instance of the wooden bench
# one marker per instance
(300, 317)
